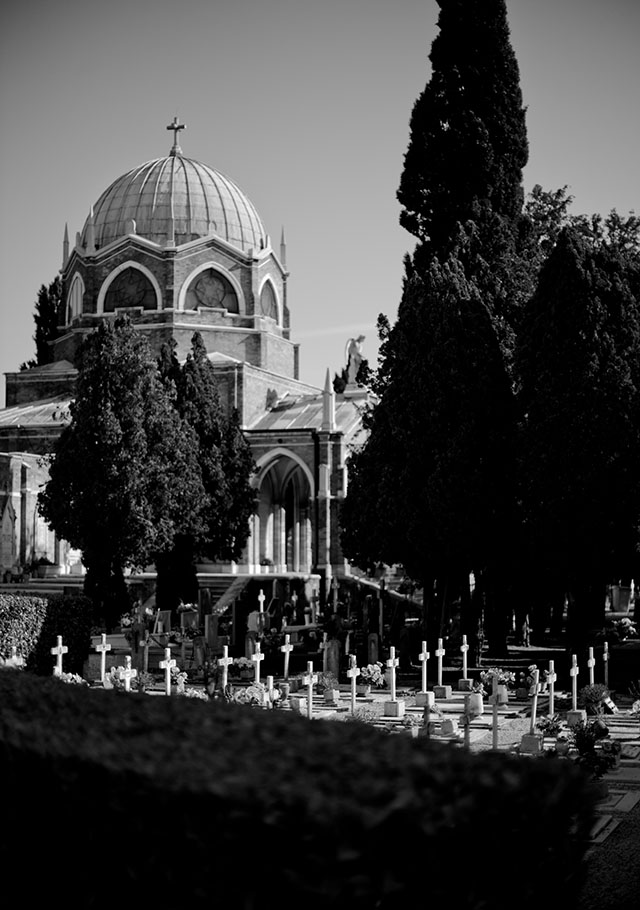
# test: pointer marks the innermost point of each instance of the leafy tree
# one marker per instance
(578, 367)
(226, 465)
(123, 475)
(47, 317)
(468, 142)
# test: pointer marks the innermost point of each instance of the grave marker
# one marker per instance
(605, 659)
(225, 662)
(395, 707)
(532, 742)
(256, 657)
(167, 665)
(424, 698)
(262, 599)
(352, 673)
(58, 651)
(552, 686)
(324, 647)
(441, 691)
(309, 681)
(464, 684)
(13, 661)
(591, 662)
(575, 716)
(127, 673)
(494, 709)
(286, 648)
(102, 649)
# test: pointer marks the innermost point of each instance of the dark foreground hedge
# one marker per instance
(126, 799)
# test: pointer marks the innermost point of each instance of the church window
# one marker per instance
(130, 288)
(212, 290)
(268, 302)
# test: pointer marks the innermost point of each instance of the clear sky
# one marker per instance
(305, 104)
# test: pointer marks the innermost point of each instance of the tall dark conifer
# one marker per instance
(47, 317)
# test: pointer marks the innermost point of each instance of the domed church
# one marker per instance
(181, 249)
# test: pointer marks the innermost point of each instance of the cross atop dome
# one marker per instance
(176, 126)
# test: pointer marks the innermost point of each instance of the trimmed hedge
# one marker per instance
(168, 801)
(32, 624)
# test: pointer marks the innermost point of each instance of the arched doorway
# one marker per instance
(281, 533)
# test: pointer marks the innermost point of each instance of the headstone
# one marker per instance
(494, 711)
(102, 649)
(551, 679)
(465, 684)
(261, 599)
(424, 698)
(605, 660)
(395, 707)
(441, 691)
(167, 665)
(534, 703)
(286, 648)
(58, 651)
(127, 673)
(309, 681)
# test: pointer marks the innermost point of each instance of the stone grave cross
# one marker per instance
(261, 599)
(167, 665)
(494, 707)
(440, 654)
(591, 662)
(325, 651)
(102, 649)
(309, 681)
(352, 673)
(551, 679)
(534, 705)
(464, 647)
(286, 648)
(573, 672)
(256, 657)
(423, 658)
(605, 659)
(127, 673)
(392, 663)
(225, 662)
(58, 651)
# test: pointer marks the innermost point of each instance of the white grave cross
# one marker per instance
(440, 654)
(591, 662)
(573, 672)
(605, 658)
(286, 648)
(167, 664)
(262, 599)
(352, 673)
(225, 662)
(309, 681)
(256, 657)
(392, 663)
(424, 657)
(464, 647)
(102, 649)
(127, 673)
(551, 679)
(58, 651)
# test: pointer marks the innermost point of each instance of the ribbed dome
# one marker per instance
(201, 201)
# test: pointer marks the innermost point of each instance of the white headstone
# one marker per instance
(423, 658)
(464, 647)
(573, 672)
(256, 657)
(286, 648)
(352, 673)
(440, 652)
(392, 663)
(58, 651)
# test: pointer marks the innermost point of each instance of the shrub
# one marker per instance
(21, 620)
(69, 616)
(359, 819)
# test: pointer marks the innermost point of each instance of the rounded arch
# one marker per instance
(112, 276)
(75, 298)
(230, 279)
(270, 300)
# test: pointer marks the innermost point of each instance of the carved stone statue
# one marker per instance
(354, 358)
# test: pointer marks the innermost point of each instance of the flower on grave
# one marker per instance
(178, 679)
(190, 692)
(625, 628)
(504, 677)
(611, 747)
(635, 708)
(73, 678)
(373, 675)
(187, 608)
(550, 725)
(243, 663)
(126, 620)
(327, 682)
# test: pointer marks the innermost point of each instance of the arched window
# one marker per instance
(268, 302)
(75, 298)
(131, 288)
(211, 289)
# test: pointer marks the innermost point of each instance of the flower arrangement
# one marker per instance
(327, 681)
(190, 692)
(591, 697)
(179, 679)
(187, 608)
(625, 628)
(587, 741)
(73, 678)
(550, 725)
(126, 621)
(373, 675)
(504, 677)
